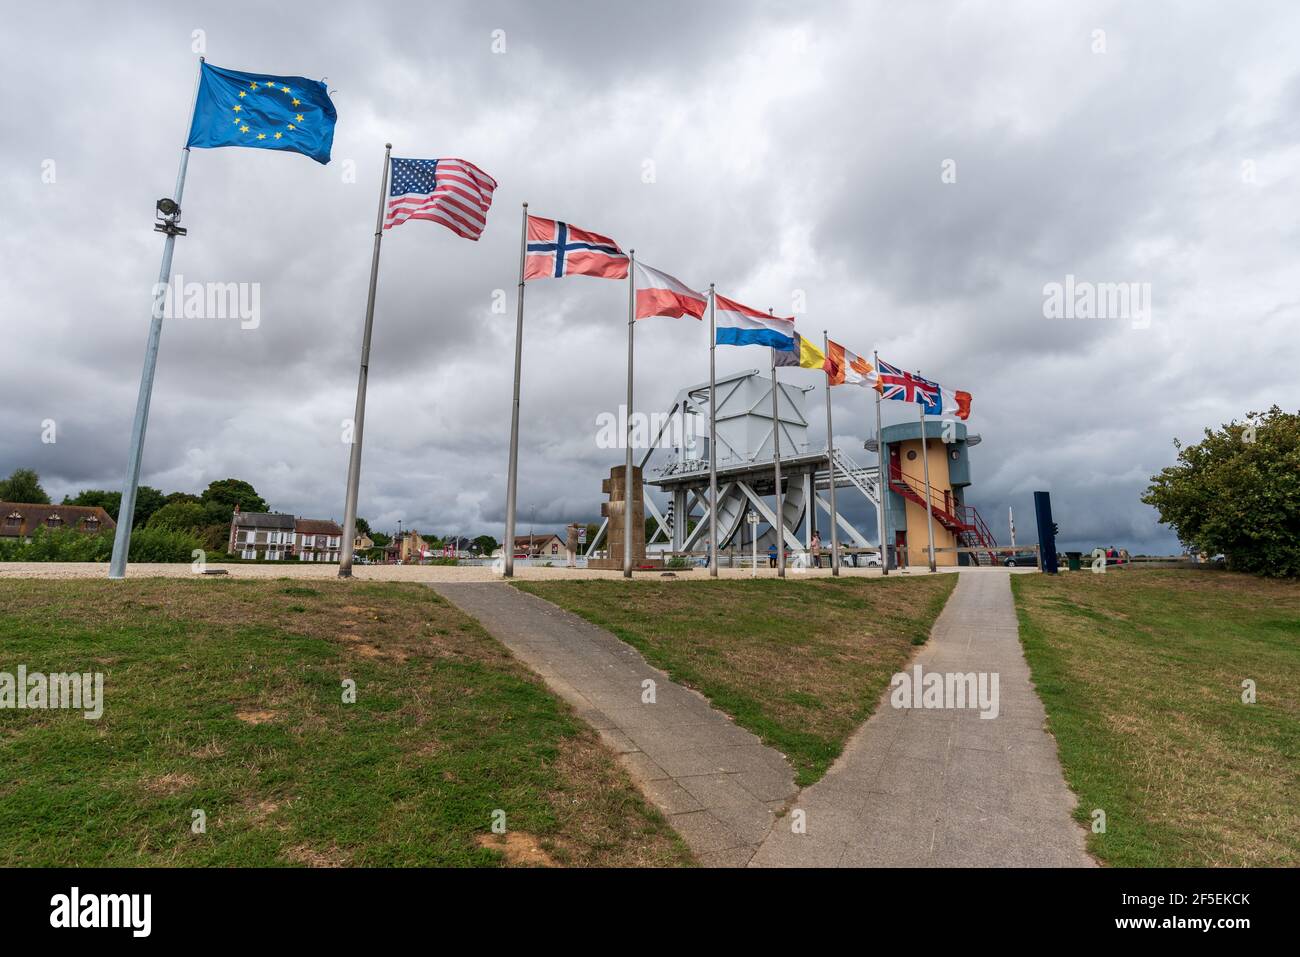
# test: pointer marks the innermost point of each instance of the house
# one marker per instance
(318, 540)
(407, 548)
(264, 535)
(362, 542)
(458, 546)
(547, 547)
(22, 519)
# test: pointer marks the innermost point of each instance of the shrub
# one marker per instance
(60, 545)
(70, 545)
(163, 545)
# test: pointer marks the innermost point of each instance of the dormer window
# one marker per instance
(54, 521)
(92, 524)
(13, 519)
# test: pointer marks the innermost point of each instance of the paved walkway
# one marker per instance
(945, 788)
(720, 787)
(914, 787)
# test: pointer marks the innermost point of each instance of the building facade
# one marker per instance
(536, 546)
(21, 519)
(269, 536)
(319, 540)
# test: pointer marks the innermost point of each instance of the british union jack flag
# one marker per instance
(906, 387)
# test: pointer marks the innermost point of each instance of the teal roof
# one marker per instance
(934, 429)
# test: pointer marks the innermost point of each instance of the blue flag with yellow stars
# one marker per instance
(264, 112)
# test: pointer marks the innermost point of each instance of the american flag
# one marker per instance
(449, 191)
(897, 384)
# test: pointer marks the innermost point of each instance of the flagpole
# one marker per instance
(512, 477)
(359, 416)
(628, 484)
(830, 465)
(776, 463)
(882, 486)
(126, 509)
(925, 465)
(713, 436)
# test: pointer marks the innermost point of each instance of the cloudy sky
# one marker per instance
(916, 173)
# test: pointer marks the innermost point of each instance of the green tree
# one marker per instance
(147, 501)
(1237, 492)
(486, 544)
(172, 497)
(363, 527)
(108, 501)
(231, 492)
(180, 517)
(380, 539)
(24, 485)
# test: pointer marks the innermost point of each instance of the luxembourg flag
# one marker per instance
(659, 295)
(739, 325)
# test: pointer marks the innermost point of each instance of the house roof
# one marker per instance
(32, 517)
(318, 526)
(536, 539)
(263, 520)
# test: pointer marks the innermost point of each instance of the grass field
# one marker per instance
(225, 696)
(799, 663)
(1141, 673)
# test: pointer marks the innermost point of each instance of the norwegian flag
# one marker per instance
(906, 387)
(556, 249)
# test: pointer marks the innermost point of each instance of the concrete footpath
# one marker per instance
(945, 787)
(720, 787)
(914, 787)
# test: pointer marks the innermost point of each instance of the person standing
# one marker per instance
(816, 547)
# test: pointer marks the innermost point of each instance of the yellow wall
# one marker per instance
(918, 552)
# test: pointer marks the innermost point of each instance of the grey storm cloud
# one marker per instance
(784, 151)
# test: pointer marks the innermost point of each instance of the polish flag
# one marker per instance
(847, 368)
(659, 295)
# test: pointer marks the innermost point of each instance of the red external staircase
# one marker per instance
(962, 520)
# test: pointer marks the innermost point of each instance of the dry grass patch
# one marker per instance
(169, 784)
(519, 849)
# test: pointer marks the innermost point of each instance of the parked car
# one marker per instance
(862, 560)
(1020, 560)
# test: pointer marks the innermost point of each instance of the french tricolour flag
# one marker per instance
(739, 325)
(660, 295)
(556, 249)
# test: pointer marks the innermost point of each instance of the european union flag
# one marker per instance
(262, 111)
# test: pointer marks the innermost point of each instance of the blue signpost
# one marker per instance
(1046, 530)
